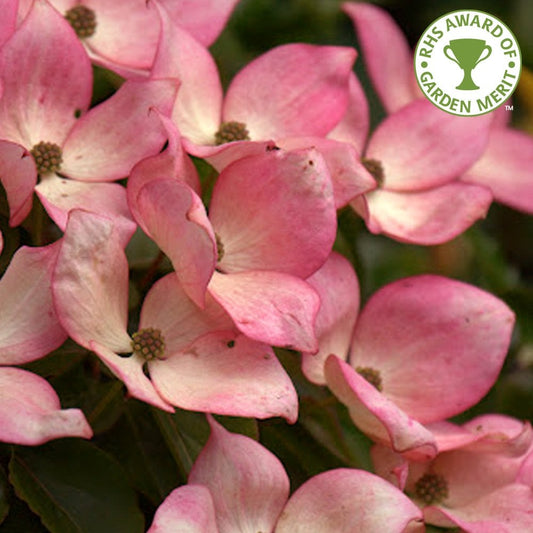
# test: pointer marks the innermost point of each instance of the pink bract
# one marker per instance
(29, 326)
(206, 365)
(127, 31)
(238, 485)
(337, 285)
(30, 412)
(424, 348)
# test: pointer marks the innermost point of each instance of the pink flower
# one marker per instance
(30, 412)
(195, 358)
(416, 156)
(47, 81)
(122, 35)
(476, 485)
(272, 223)
(504, 167)
(238, 485)
(424, 349)
(294, 95)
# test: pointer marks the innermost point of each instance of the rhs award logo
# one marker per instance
(467, 62)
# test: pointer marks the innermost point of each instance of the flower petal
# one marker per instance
(354, 126)
(428, 217)
(198, 106)
(439, 344)
(293, 90)
(168, 308)
(130, 371)
(349, 177)
(188, 508)
(227, 375)
(126, 33)
(105, 143)
(386, 52)
(29, 326)
(422, 146)
(204, 19)
(30, 412)
(46, 77)
(505, 168)
(174, 216)
(507, 510)
(377, 416)
(347, 500)
(338, 288)
(60, 196)
(8, 21)
(275, 212)
(248, 483)
(220, 156)
(170, 163)
(19, 177)
(270, 307)
(90, 283)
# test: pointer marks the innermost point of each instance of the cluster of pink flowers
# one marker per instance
(255, 269)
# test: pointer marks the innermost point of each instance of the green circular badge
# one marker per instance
(467, 62)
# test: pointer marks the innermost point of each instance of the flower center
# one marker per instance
(371, 375)
(431, 488)
(148, 343)
(231, 131)
(48, 157)
(375, 168)
(83, 20)
(220, 248)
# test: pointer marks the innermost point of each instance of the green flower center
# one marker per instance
(431, 488)
(231, 131)
(82, 19)
(48, 157)
(375, 168)
(371, 375)
(220, 248)
(148, 343)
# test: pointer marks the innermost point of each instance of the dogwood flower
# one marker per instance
(238, 485)
(292, 95)
(476, 485)
(272, 223)
(416, 156)
(195, 358)
(504, 166)
(424, 349)
(122, 35)
(47, 82)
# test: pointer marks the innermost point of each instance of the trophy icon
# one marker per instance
(467, 53)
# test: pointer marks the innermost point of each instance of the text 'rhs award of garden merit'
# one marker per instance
(467, 62)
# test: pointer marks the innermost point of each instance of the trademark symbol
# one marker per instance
(508, 107)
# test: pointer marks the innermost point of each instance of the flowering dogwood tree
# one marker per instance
(262, 285)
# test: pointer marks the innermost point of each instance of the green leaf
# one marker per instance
(137, 443)
(75, 487)
(4, 489)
